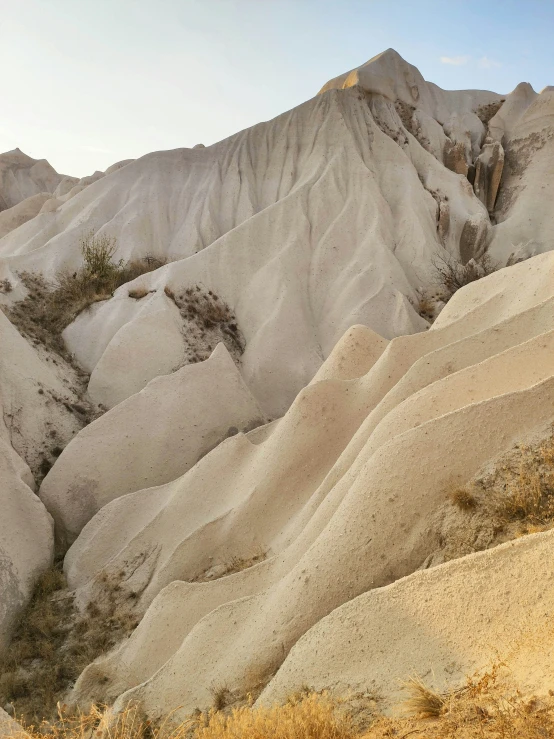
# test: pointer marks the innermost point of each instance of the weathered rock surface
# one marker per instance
(488, 172)
(26, 538)
(150, 439)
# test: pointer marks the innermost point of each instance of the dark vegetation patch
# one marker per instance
(488, 111)
(452, 275)
(50, 307)
(208, 320)
(519, 152)
(54, 642)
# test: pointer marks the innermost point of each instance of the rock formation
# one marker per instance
(488, 172)
(280, 431)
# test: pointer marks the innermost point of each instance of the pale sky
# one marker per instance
(86, 83)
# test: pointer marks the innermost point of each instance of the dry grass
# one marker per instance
(208, 320)
(488, 706)
(463, 499)
(512, 499)
(54, 642)
(484, 708)
(452, 275)
(423, 701)
(49, 308)
(5, 286)
(311, 716)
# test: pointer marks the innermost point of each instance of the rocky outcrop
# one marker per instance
(455, 157)
(149, 439)
(26, 538)
(488, 172)
(10, 728)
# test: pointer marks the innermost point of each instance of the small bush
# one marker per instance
(98, 252)
(463, 499)
(50, 307)
(423, 701)
(452, 275)
(311, 717)
(221, 697)
(5, 286)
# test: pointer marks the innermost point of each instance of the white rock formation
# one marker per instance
(325, 218)
(26, 538)
(22, 176)
(17, 215)
(36, 400)
(343, 233)
(340, 494)
(149, 439)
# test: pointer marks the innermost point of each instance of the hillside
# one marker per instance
(277, 447)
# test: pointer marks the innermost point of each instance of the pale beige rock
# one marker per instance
(22, 176)
(19, 214)
(149, 439)
(488, 172)
(35, 402)
(339, 494)
(432, 624)
(26, 538)
(10, 729)
(297, 255)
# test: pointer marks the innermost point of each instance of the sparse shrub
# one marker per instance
(452, 275)
(529, 488)
(463, 499)
(207, 321)
(98, 252)
(54, 642)
(222, 696)
(5, 286)
(311, 717)
(423, 701)
(50, 307)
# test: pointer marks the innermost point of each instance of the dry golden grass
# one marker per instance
(423, 701)
(513, 499)
(484, 708)
(311, 717)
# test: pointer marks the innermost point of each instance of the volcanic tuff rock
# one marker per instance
(295, 552)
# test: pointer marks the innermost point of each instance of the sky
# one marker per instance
(86, 83)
